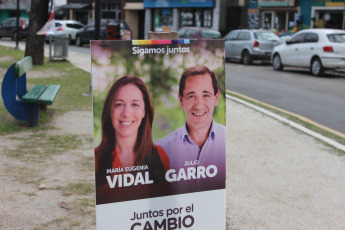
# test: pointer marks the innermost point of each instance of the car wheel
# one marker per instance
(78, 41)
(14, 36)
(316, 67)
(246, 58)
(277, 62)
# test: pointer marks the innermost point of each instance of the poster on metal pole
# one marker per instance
(159, 134)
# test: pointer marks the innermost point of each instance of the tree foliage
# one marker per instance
(35, 43)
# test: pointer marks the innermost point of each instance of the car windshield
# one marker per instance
(266, 36)
(210, 34)
(181, 32)
(338, 38)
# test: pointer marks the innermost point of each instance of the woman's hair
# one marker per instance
(145, 152)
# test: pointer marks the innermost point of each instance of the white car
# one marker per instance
(317, 49)
(67, 28)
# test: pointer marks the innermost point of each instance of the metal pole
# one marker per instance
(17, 37)
(97, 19)
(50, 48)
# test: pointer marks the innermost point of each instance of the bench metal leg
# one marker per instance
(43, 107)
(35, 115)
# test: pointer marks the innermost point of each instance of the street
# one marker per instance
(320, 99)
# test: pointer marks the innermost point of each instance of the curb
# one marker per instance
(291, 123)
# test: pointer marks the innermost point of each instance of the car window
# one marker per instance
(9, 22)
(232, 36)
(189, 33)
(299, 38)
(338, 38)
(311, 37)
(210, 34)
(181, 32)
(74, 25)
(266, 36)
(244, 36)
(57, 24)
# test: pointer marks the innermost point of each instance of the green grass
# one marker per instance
(79, 188)
(74, 83)
(31, 176)
(57, 221)
(15, 55)
(40, 146)
(295, 119)
(86, 203)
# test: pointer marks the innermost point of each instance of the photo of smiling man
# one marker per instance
(197, 150)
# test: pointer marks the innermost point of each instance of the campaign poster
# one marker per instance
(159, 134)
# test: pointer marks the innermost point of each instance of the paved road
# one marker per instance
(320, 99)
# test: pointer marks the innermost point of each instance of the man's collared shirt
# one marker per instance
(184, 153)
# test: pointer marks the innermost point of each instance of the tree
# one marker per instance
(35, 43)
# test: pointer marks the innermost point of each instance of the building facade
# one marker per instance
(224, 15)
(331, 12)
(298, 14)
(8, 8)
(84, 10)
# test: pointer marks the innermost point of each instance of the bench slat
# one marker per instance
(23, 66)
(33, 95)
(48, 96)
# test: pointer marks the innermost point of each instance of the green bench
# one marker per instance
(42, 94)
(25, 105)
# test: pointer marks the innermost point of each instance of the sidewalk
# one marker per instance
(277, 176)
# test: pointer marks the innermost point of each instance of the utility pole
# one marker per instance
(17, 37)
(97, 19)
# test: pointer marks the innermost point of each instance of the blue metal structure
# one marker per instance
(12, 90)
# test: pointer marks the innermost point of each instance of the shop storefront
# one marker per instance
(170, 15)
(331, 13)
(8, 9)
(278, 14)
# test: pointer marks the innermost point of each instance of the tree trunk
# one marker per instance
(35, 43)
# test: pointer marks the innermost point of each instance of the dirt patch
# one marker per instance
(7, 58)
(52, 192)
(75, 122)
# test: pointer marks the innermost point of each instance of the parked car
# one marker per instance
(198, 33)
(113, 30)
(67, 28)
(8, 28)
(248, 45)
(317, 49)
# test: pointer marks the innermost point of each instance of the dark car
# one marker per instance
(198, 33)
(113, 30)
(8, 28)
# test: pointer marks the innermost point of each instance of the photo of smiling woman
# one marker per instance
(128, 166)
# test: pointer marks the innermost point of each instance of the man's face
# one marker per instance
(198, 101)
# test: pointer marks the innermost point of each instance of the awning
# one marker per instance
(134, 6)
(77, 6)
(178, 3)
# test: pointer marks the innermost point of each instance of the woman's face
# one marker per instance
(127, 111)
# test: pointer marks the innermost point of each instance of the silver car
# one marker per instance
(248, 45)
